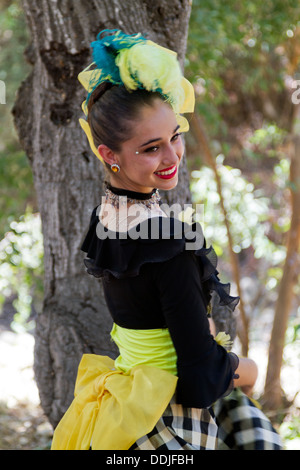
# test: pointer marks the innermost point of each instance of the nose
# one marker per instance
(172, 154)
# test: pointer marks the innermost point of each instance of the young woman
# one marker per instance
(159, 392)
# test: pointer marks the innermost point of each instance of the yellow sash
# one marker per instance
(150, 347)
(113, 408)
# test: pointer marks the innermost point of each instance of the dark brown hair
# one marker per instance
(112, 111)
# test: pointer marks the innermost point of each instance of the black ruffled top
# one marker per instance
(160, 274)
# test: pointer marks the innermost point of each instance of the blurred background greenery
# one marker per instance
(21, 240)
(243, 59)
(21, 251)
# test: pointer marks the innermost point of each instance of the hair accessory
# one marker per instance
(135, 62)
(115, 168)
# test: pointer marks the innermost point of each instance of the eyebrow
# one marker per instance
(158, 138)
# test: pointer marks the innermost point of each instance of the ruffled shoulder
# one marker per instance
(208, 261)
(121, 254)
(156, 239)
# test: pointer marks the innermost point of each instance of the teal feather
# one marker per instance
(105, 49)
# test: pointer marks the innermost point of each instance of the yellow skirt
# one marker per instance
(112, 409)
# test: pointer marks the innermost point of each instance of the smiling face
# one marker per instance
(151, 157)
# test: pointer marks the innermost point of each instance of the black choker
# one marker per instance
(147, 199)
(128, 193)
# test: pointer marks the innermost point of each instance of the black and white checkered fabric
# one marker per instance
(181, 428)
(234, 424)
(243, 426)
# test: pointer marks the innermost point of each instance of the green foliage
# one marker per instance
(21, 268)
(21, 251)
(248, 214)
(247, 209)
(16, 185)
(222, 32)
(290, 429)
(13, 68)
(16, 182)
(237, 59)
(292, 337)
(238, 48)
(267, 139)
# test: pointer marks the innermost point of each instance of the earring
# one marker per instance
(115, 168)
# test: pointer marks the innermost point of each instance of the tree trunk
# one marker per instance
(68, 178)
(273, 395)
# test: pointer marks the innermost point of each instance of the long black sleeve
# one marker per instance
(205, 369)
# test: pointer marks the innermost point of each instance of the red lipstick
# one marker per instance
(172, 170)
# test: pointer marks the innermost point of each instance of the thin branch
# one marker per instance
(199, 133)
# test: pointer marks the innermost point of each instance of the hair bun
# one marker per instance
(98, 93)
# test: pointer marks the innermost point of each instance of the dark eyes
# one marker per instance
(176, 136)
(156, 147)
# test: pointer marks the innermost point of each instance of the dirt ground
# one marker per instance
(23, 425)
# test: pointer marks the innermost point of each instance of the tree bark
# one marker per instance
(68, 178)
(273, 394)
